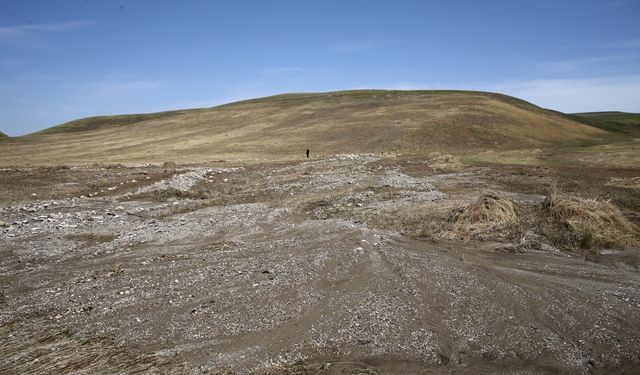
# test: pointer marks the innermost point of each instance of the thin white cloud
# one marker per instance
(103, 89)
(34, 77)
(632, 43)
(4, 62)
(619, 3)
(282, 70)
(352, 47)
(17, 33)
(565, 66)
(576, 95)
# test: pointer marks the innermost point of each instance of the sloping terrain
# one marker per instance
(2, 135)
(284, 126)
(613, 116)
(100, 122)
(618, 122)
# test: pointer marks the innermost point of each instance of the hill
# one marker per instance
(99, 122)
(2, 135)
(283, 126)
(620, 117)
(619, 122)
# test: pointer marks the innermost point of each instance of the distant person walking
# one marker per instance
(307, 153)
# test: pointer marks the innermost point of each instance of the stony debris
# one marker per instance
(200, 285)
(186, 179)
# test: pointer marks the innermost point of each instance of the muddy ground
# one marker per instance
(325, 266)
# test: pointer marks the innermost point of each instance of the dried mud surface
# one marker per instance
(265, 266)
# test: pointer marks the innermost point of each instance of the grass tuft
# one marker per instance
(446, 163)
(481, 218)
(596, 223)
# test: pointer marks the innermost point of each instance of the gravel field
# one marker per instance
(261, 268)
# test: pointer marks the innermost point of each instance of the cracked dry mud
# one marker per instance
(108, 284)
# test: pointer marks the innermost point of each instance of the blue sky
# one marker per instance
(62, 60)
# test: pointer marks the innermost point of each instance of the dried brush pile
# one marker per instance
(482, 218)
(596, 223)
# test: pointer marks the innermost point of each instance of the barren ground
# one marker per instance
(323, 266)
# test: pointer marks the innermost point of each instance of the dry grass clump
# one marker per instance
(91, 238)
(169, 165)
(446, 163)
(26, 351)
(596, 223)
(629, 183)
(52, 168)
(482, 218)
(422, 219)
(106, 166)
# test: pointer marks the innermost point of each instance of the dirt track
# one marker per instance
(196, 285)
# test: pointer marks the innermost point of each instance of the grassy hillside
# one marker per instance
(621, 117)
(2, 135)
(619, 122)
(98, 122)
(283, 126)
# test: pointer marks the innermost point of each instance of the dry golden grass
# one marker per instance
(446, 163)
(482, 218)
(284, 126)
(424, 220)
(629, 183)
(596, 223)
(169, 165)
(60, 352)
